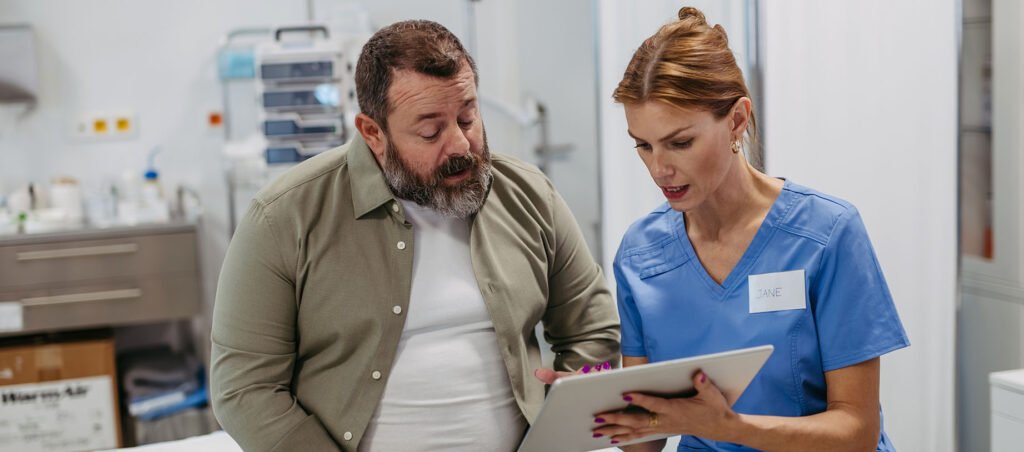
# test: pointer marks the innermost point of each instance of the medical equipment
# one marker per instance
(304, 86)
(289, 94)
(293, 125)
(297, 151)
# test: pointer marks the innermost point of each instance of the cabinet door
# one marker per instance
(1000, 267)
(1007, 433)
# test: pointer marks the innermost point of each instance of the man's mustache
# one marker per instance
(457, 164)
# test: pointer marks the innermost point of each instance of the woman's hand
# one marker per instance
(706, 414)
(548, 376)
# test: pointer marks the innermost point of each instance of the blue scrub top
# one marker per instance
(671, 308)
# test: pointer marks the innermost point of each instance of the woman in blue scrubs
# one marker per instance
(737, 259)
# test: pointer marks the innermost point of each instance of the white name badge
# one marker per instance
(781, 291)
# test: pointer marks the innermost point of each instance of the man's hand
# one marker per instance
(548, 376)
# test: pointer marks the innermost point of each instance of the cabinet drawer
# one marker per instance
(84, 260)
(111, 303)
(1008, 403)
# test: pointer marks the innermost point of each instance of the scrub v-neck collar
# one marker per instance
(739, 272)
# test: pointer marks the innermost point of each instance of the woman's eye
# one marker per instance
(643, 146)
(682, 144)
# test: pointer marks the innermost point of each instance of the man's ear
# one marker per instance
(372, 133)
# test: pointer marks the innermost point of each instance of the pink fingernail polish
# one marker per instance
(597, 435)
(627, 398)
(586, 369)
(599, 420)
(606, 365)
(703, 377)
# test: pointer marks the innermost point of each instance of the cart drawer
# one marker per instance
(85, 260)
(110, 303)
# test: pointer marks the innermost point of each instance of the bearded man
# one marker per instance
(383, 296)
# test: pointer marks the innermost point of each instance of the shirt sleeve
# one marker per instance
(580, 321)
(254, 340)
(629, 315)
(853, 308)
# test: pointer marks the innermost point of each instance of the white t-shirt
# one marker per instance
(448, 389)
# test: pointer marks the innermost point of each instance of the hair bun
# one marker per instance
(721, 31)
(688, 12)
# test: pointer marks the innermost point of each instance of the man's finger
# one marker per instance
(548, 376)
(545, 375)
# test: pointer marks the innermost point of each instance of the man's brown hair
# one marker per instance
(419, 45)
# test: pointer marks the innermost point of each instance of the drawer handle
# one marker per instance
(126, 248)
(123, 294)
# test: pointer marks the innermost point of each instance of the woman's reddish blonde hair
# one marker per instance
(687, 64)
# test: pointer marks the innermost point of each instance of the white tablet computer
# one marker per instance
(567, 417)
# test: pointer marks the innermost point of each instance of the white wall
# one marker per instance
(154, 58)
(157, 59)
(557, 65)
(861, 103)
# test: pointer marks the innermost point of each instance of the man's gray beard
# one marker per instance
(458, 201)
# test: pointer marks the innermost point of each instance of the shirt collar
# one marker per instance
(369, 191)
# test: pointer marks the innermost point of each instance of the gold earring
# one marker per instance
(736, 147)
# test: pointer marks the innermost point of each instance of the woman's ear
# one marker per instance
(740, 116)
(372, 133)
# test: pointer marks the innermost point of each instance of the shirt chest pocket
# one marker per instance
(658, 259)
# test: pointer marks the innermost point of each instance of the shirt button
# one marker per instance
(347, 436)
(375, 375)
(394, 207)
(397, 310)
(401, 245)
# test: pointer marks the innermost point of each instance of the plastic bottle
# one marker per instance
(153, 202)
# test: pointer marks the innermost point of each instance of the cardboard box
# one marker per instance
(59, 397)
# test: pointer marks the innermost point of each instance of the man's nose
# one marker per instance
(458, 142)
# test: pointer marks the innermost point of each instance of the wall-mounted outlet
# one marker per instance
(114, 125)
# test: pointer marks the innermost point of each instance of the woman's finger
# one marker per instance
(701, 382)
(633, 435)
(608, 431)
(630, 420)
(649, 403)
(707, 390)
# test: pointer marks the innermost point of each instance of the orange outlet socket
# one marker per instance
(99, 126)
(123, 124)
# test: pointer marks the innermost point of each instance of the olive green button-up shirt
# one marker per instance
(311, 300)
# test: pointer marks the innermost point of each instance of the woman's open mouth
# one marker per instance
(675, 192)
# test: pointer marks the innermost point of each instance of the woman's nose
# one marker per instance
(660, 166)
